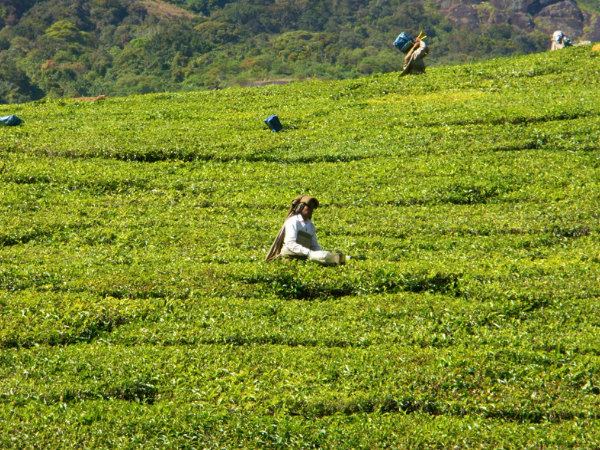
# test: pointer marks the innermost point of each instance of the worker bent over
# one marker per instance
(298, 236)
(559, 41)
(414, 60)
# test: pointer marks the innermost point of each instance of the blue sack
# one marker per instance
(10, 120)
(273, 123)
(403, 42)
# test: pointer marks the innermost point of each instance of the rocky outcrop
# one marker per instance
(462, 14)
(12, 10)
(545, 16)
(591, 26)
(565, 16)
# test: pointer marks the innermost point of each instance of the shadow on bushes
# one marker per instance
(288, 285)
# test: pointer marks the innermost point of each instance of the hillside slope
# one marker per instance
(76, 48)
(137, 311)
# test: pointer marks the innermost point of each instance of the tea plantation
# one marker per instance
(136, 309)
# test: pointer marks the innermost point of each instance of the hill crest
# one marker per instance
(119, 47)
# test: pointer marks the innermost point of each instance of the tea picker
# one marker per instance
(415, 50)
(297, 238)
(559, 41)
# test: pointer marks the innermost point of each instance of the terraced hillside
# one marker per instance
(137, 311)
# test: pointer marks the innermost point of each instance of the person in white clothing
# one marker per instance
(297, 239)
(300, 233)
(559, 41)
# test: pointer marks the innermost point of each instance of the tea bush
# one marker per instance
(137, 309)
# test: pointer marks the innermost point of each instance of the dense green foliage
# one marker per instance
(137, 311)
(77, 48)
(592, 6)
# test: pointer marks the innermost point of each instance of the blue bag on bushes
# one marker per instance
(273, 123)
(10, 120)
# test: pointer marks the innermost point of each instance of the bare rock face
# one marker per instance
(12, 10)
(465, 15)
(511, 5)
(522, 21)
(532, 7)
(527, 15)
(565, 16)
(591, 26)
(518, 19)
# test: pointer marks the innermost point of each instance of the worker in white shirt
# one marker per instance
(300, 233)
(559, 41)
(298, 236)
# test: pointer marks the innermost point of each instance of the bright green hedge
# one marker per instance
(136, 309)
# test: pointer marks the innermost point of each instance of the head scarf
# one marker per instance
(302, 199)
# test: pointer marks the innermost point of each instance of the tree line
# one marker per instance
(120, 47)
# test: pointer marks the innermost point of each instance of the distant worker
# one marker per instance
(297, 239)
(415, 50)
(559, 41)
